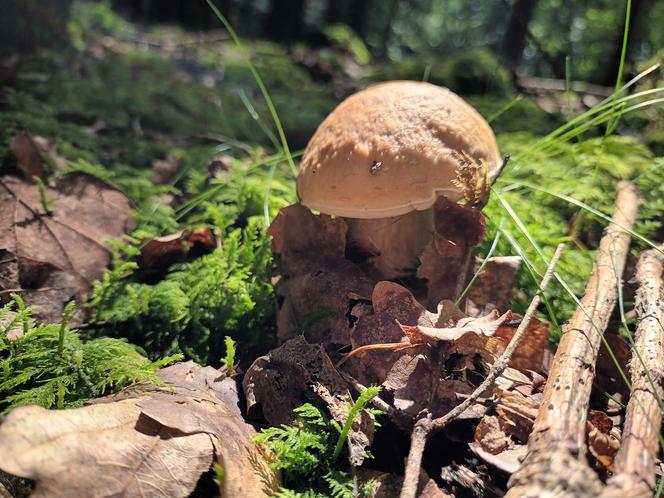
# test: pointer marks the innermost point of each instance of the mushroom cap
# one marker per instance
(387, 150)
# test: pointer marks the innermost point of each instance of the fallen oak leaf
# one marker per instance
(603, 439)
(458, 228)
(493, 286)
(89, 450)
(51, 259)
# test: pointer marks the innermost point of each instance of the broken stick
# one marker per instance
(556, 463)
(426, 426)
(635, 462)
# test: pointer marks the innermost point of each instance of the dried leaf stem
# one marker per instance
(426, 426)
(556, 462)
(635, 462)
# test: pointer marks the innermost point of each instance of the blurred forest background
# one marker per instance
(533, 37)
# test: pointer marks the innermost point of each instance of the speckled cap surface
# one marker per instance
(387, 150)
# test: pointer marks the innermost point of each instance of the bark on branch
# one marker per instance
(556, 464)
(635, 462)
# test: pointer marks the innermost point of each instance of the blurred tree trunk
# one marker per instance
(386, 33)
(639, 19)
(285, 20)
(514, 40)
(335, 11)
(358, 17)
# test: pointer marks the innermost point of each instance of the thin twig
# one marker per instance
(425, 426)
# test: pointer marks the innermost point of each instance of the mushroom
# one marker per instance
(382, 158)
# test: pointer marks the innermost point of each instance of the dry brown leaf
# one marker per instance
(299, 372)
(51, 259)
(407, 374)
(161, 252)
(458, 229)
(490, 436)
(305, 242)
(603, 440)
(28, 157)
(508, 460)
(516, 413)
(320, 304)
(155, 443)
(318, 286)
(102, 450)
(485, 325)
(493, 286)
(534, 352)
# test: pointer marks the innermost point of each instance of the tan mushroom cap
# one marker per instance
(387, 150)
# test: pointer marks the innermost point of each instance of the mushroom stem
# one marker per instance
(393, 244)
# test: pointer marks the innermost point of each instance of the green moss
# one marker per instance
(199, 303)
(52, 366)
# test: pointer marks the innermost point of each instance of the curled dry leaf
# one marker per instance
(507, 461)
(321, 304)
(161, 252)
(490, 435)
(603, 439)
(155, 443)
(485, 325)
(52, 258)
(534, 353)
(319, 287)
(516, 413)
(305, 242)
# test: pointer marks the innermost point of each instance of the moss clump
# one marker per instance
(52, 366)
(200, 302)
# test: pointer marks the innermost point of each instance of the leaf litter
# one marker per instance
(147, 440)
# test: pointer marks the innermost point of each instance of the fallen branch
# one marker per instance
(425, 427)
(556, 463)
(635, 462)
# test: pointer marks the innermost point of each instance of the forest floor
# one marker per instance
(141, 169)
